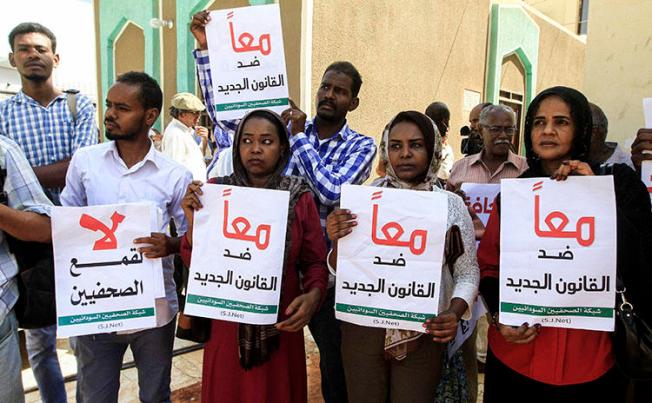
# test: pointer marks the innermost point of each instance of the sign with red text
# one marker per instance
(389, 268)
(480, 197)
(237, 254)
(103, 284)
(247, 60)
(558, 252)
(646, 166)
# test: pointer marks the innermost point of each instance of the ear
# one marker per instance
(11, 59)
(354, 104)
(56, 60)
(151, 115)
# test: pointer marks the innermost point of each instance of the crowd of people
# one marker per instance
(50, 156)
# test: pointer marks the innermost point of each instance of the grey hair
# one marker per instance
(484, 115)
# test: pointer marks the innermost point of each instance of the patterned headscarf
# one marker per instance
(258, 342)
(432, 139)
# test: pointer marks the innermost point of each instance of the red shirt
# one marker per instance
(556, 356)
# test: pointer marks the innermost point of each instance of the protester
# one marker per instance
(603, 151)
(23, 214)
(266, 363)
(49, 126)
(129, 170)
(178, 138)
(548, 364)
(472, 144)
(328, 154)
(496, 161)
(439, 113)
(411, 145)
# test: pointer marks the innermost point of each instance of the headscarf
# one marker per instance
(257, 342)
(398, 343)
(432, 139)
(580, 114)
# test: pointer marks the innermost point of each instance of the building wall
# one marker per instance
(565, 12)
(618, 63)
(409, 53)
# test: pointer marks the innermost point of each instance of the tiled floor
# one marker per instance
(186, 376)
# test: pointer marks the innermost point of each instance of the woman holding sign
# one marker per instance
(533, 363)
(400, 365)
(266, 363)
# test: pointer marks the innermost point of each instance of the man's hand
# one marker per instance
(203, 133)
(159, 245)
(301, 310)
(641, 144)
(198, 28)
(295, 117)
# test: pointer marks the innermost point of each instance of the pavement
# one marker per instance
(186, 374)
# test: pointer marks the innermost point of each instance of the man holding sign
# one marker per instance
(129, 170)
(325, 151)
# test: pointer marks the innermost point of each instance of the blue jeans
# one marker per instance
(41, 347)
(325, 330)
(11, 384)
(99, 361)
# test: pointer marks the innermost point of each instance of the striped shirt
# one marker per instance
(48, 134)
(471, 169)
(326, 164)
(23, 193)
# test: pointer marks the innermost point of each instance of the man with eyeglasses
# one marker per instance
(496, 161)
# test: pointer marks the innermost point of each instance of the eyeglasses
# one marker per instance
(496, 130)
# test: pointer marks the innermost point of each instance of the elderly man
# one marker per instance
(496, 161)
(178, 138)
(603, 151)
(496, 124)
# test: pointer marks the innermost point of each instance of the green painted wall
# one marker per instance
(512, 31)
(114, 15)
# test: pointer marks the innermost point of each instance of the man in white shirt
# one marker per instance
(126, 170)
(178, 138)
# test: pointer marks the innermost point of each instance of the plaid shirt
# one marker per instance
(327, 165)
(47, 134)
(23, 193)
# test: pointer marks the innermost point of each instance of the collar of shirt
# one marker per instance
(152, 156)
(344, 133)
(178, 125)
(21, 97)
(511, 159)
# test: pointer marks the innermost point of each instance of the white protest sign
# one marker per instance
(389, 267)
(237, 254)
(247, 60)
(480, 197)
(646, 166)
(558, 252)
(103, 284)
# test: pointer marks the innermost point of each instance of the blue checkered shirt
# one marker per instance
(344, 158)
(47, 134)
(23, 193)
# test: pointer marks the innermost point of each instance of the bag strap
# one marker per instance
(71, 98)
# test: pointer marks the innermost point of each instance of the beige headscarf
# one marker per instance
(398, 343)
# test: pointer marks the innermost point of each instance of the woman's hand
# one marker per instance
(340, 223)
(572, 167)
(300, 310)
(443, 326)
(519, 335)
(190, 203)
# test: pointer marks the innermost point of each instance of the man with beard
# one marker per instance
(126, 170)
(328, 154)
(49, 126)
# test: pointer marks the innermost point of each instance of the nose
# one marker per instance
(406, 152)
(330, 94)
(256, 148)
